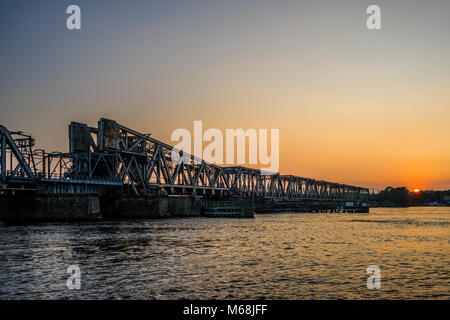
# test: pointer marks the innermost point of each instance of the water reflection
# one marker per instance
(277, 256)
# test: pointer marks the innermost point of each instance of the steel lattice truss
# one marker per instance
(113, 154)
(16, 157)
(146, 163)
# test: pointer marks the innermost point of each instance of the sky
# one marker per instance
(357, 106)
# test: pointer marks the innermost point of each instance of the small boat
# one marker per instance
(229, 209)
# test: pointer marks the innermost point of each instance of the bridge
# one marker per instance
(113, 157)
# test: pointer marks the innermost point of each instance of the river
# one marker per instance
(274, 256)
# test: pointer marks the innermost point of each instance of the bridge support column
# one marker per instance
(3, 158)
(50, 208)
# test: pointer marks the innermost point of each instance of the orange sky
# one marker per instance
(370, 108)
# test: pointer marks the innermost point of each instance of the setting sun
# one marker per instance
(416, 190)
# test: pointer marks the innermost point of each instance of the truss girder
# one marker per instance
(123, 155)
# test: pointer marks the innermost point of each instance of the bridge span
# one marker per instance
(112, 156)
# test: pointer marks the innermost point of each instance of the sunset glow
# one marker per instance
(225, 159)
(346, 100)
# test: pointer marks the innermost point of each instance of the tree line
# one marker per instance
(402, 197)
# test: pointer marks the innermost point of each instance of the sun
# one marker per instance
(416, 190)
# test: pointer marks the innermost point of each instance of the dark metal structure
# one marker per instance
(114, 156)
(17, 166)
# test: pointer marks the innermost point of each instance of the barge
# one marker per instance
(229, 209)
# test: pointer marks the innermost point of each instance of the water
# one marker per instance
(274, 256)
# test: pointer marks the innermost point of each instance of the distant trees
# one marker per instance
(395, 197)
(401, 197)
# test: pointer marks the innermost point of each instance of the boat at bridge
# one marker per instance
(228, 209)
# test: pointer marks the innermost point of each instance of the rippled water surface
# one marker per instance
(274, 256)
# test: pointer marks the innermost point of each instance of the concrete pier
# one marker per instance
(50, 208)
(135, 208)
(94, 207)
(185, 206)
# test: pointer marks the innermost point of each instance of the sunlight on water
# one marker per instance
(274, 256)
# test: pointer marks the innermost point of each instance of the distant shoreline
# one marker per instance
(412, 206)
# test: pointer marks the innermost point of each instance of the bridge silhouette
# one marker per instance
(112, 156)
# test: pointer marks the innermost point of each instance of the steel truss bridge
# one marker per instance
(113, 156)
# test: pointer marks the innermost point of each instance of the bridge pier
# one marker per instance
(91, 207)
(309, 205)
(155, 207)
(50, 208)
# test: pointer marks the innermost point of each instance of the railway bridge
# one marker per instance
(112, 158)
